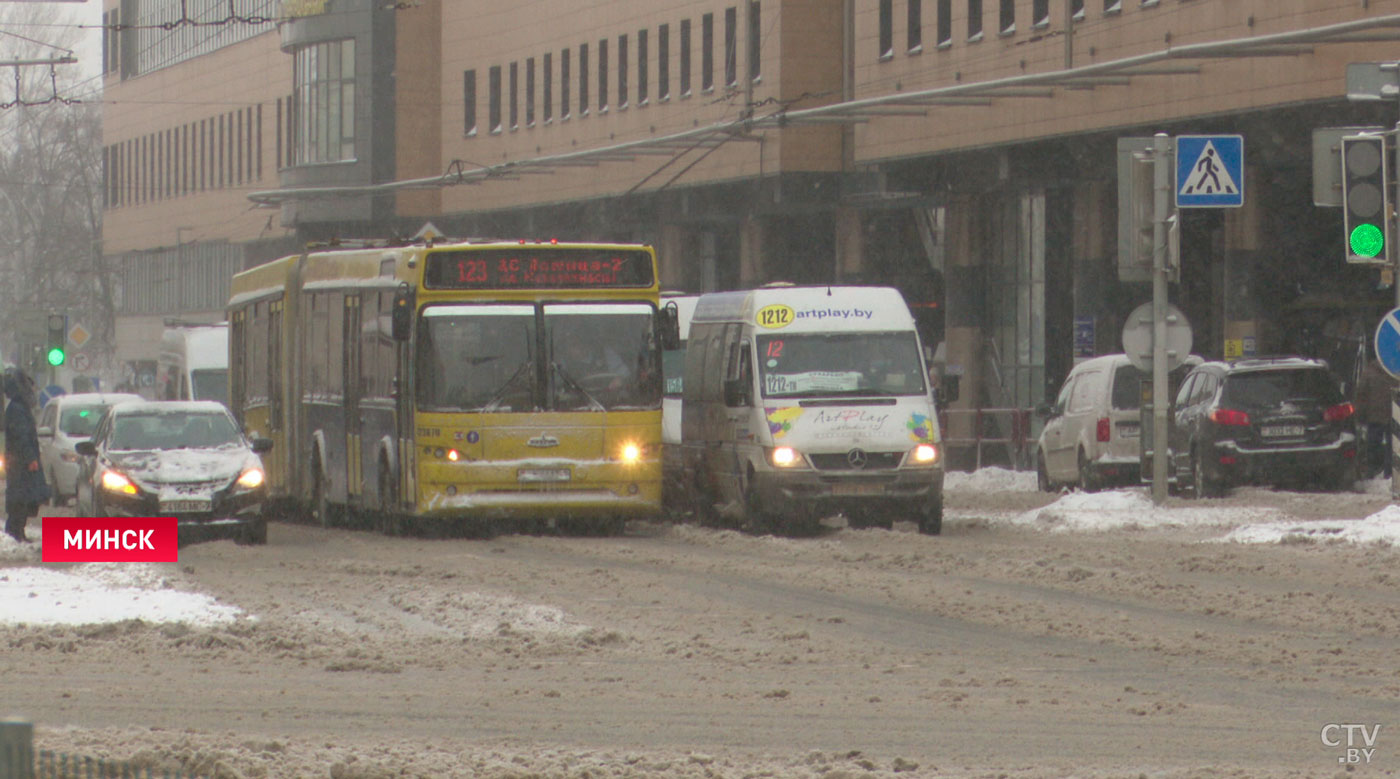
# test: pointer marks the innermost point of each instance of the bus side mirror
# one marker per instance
(670, 326)
(402, 317)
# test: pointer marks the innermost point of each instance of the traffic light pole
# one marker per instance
(1161, 191)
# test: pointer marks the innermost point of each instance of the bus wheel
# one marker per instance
(320, 500)
(931, 518)
(756, 518)
(390, 523)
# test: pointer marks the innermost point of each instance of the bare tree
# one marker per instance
(51, 185)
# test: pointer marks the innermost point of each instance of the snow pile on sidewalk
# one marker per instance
(1382, 527)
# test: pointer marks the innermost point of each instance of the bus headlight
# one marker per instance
(784, 457)
(115, 482)
(923, 454)
(630, 453)
(251, 479)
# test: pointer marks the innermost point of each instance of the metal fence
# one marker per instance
(1007, 431)
(18, 760)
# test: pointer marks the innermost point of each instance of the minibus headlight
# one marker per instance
(785, 457)
(923, 454)
(630, 453)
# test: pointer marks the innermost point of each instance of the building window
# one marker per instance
(1040, 13)
(886, 29)
(493, 94)
(663, 62)
(731, 46)
(622, 94)
(685, 58)
(1112, 6)
(564, 84)
(469, 102)
(548, 87)
(642, 85)
(603, 75)
(974, 20)
(755, 40)
(583, 79)
(111, 42)
(325, 102)
(530, 92)
(916, 25)
(707, 52)
(945, 22)
(1008, 17)
(1076, 8)
(514, 96)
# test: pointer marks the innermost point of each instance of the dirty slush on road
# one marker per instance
(677, 651)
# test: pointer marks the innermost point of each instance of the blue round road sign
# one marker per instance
(1388, 342)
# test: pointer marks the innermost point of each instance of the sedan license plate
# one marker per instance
(184, 506)
(857, 488)
(1281, 431)
(542, 474)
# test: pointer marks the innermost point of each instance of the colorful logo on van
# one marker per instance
(920, 428)
(780, 419)
(774, 316)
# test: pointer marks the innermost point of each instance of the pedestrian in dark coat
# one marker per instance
(25, 488)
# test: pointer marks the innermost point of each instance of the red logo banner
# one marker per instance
(111, 540)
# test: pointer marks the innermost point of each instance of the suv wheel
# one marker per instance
(1088, 481)
(1201, 485)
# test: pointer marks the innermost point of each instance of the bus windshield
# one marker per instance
(826, 364)
(602, 356)
(495, 358)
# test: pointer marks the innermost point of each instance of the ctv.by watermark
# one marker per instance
(1358, 742)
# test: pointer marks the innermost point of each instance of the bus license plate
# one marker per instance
(1281, 431)
(857, 489)
(542, 474)
(184, 506)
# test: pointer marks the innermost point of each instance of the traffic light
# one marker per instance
(1366, 199)
(57, 352)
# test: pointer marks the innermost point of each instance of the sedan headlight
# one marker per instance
(115, 482)
(251, 479)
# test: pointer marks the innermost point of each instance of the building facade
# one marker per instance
(962, 150)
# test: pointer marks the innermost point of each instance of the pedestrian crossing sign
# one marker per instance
(1209, 171)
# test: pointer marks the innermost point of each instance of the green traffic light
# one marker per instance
(56, 356)
(1367, 240)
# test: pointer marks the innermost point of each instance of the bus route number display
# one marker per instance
(537, 268)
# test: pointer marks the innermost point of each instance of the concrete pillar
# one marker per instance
(16, 749)
(850, 244)
(671, 259)
(964, 317)
(751, 266)
(1243, 237)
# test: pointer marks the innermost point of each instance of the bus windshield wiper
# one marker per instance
(572, 382)
(494, 403)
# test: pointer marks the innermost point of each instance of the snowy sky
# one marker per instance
(38, 594)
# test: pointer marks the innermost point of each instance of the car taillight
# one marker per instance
(1339, 412)
(1103, 429)
(1229, 416)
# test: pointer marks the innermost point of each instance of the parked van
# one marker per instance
(193, 363)
(1092, 436)
(800, 402)
(673, 490)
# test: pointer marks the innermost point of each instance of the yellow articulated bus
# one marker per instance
(506, 383)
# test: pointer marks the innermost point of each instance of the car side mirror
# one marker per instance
(260, 445)
(85, 448)
(1044, 411)
(44, 432)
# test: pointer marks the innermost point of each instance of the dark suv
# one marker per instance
(1279, 421)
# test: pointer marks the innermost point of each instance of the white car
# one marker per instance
(1092, 436)
(63, 422)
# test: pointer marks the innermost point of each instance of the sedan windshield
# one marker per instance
(840, 364)
(172, 430)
